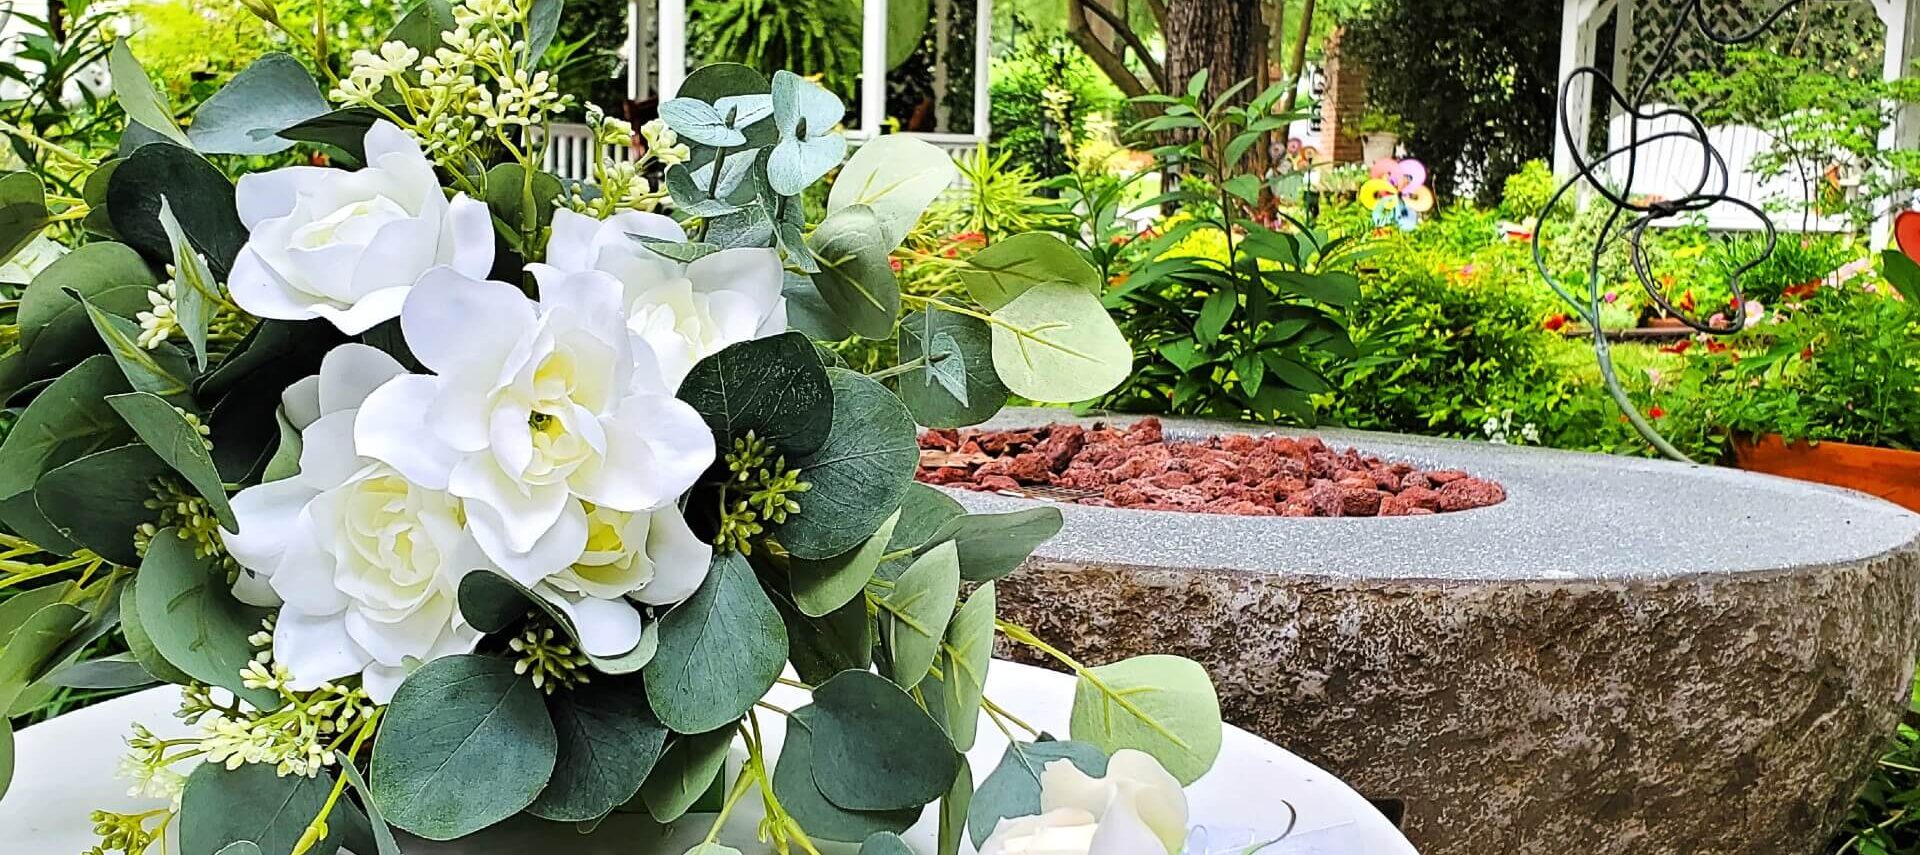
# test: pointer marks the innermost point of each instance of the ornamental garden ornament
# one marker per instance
(450, 491)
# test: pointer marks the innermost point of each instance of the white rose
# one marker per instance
(346, 246)
(685, 312)
(534, 409)
(1136, 809)
(651, 557)
(364, 564)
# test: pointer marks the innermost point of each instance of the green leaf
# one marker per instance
(953, 810)
(874, 748)
(1336, 288)
(140, 644)
(821, 587)
(67, 420)
(345, 129)
(794, 784)
(1244, 187)
(808, 312)
(963, 660)
(896, 177)
(507, 195)
(999, 274)
(774, 387)
(608, 743)
(1903, 273)
(993, 545)
(98, 500)
(885, 843)
(915, 613)
(143, 102)
(246, 115)
(424, 26)
(383, 840)
(858, 476)
(1162, 705)
(855, 279)
(240, 847)
(1012, 789)
(119, 671)
(194, 287)
(465, 743)
(30, 650)
(252, 803)
(966, 343)
(162, 370)
(1214, 315)
(543, 22)
(923, 510)
(1295, 374)
(6, 755)
(168, 434)
(187, 611)
(820, 647)
(23, 212)
(717, 80)
(54, 329)
(1055, 343)
(720, 651)
(686, 770)
(491, 602)
(199, 192)
(699, 122)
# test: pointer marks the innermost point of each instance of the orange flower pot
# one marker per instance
(1889, 473)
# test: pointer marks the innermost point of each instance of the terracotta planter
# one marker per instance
(1889, 473)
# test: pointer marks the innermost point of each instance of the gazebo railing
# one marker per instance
(570, 151)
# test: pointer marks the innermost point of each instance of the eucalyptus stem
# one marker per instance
(902, 368)
(1022, 635)
(739, 791)
(999, 711)
(317, 829)
(1016, 329)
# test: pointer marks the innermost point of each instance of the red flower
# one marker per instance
(894, 263)
(1655, 412)
(319, 158)
(1802, 291)
(1555, 323)
(1806, 354)
(1716, 347)
(1678, 347)
(1685, 303)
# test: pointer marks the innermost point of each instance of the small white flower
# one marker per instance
(364, 564)
(685, 312)
(159, 322)
(536, 410)
(663, 143)
(1137, 809)
(346, 246)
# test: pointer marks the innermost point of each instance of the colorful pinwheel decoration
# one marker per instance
(1397, 193)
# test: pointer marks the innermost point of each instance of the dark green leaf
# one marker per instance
(140, 644)
(168, 434)
(465, 743)
(508, 194)
(543, 21)
(253, 803)
(68, 420)
(719, 651)
(383, 840)
(774, 387)
(823, 586)
(1214, 315)
(993, 545)
(874, 749)
(201, 196)
(246, 115)
(794, 786)
(346, 129)
(714, 81)
(162, 370)
(1013, 788)
(98, 500)
(690, 765)
(968, 344)
(859, 475)
(23, 211)
(820, 647)
(609, 742)
(54, 329)
(187, 611)
(424, 25)
(119, 671)
(885, 842)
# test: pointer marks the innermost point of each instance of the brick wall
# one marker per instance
(1346, 102)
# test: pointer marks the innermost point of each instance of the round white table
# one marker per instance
(65, 769)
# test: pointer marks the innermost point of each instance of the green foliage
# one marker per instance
(1524, 196)
(1475, 80)
(1038, 72)
(808, 37)
(51, 98)
(1163, 705)
(1883, 821)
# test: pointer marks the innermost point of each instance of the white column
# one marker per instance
(982, 61)
(1902, 18)
(873, 67)
(1576, 50)
(639, 59)
(673, 46)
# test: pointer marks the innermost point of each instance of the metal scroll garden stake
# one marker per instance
(1630, 218)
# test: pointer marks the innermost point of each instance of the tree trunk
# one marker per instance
(1223, 36)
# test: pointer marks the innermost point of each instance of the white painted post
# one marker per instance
(639, 63)
(873, 68)
(1623, 45)
(1573, 47)
(1900, 16)
(982, 63)
(673, 47)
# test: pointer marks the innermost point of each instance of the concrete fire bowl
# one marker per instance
(1626, 656)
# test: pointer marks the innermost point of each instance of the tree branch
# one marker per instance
(1132, 39)
(1297, 64)
(1109, 62)
(1158, 8)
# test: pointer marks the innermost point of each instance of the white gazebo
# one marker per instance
(656, 55)
(1632, 30)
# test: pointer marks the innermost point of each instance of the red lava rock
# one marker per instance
(1239, 474)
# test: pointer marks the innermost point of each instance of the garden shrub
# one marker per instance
(1525, 194)
(1021, 83)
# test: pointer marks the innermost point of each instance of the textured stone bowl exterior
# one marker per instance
(1627, 656)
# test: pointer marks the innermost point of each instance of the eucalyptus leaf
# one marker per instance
(161, 370)
(805, 116)
(822, 586)
(858, 476)
(252, 803)
(923, 510)
(346, 128)
(168, 434)
(794, 785)
(1162, 705)
(138, 96)
(66, 421)
(820, 647)
(963, 660)
(54, 329)
(953, 810)
(1006, 269)
(717, 80)
(185, 608)
(720, 651)
(700, 122)
(193, 286)
(897, 177)
(773, 387)
(119, 671)
(856, 279)
(30, 649)
(139, 644)
(465, 743)
(240, 847)
(808, 312)
(246, 115)
(6, 755)
(960, 387)
(874, 748)
(687, 769)
(543, 23)
(1056, 343)
(383, 840)
(608, 743)
(201, 196)
(914, 615)
(23, 212)
(97, 501)
(424, 26)
(993, 545)
(1012, 789)
(885, 843)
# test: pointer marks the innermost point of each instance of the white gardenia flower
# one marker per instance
(1137, 809)
(346, 246)
(685, 312)
(535, 410)
(651, 557)
(364, 564)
